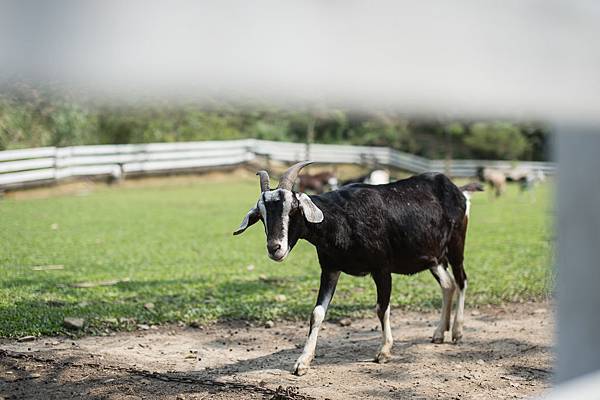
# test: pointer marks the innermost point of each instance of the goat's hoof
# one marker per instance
(456, 337)
(382, 357)
(437, 339)
(457, 333)
(300, 368)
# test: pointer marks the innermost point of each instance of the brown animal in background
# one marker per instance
(317, 182)
(495, 178)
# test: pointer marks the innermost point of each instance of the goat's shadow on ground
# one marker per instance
(341, 351)
(58, 381)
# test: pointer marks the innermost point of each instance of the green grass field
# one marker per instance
(173, 247)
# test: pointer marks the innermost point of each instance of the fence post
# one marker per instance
(55, 164)
(578, 224)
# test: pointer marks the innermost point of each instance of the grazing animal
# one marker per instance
(525, 177)
(495, 178)
(404, 227)
(532, 179)
(317, 182)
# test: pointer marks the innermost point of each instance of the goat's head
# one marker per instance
(281, 211)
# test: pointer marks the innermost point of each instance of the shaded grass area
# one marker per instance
(172, 247)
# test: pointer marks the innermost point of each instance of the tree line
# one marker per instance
(31, 117)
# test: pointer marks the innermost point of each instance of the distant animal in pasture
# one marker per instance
(494, 178)
(317, 182)
(404, 227)
(375, 177)
(527, 178)
(534, 178)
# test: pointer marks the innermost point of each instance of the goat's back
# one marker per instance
(419, 193)
(406, 224)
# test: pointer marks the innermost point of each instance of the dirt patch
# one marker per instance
(86, 186)
(506, 353)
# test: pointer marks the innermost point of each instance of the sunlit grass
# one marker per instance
(173, 247)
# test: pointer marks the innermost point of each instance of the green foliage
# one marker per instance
(455, 129)
(165, 124)
(69, 124)
(31, 117)
(497, 140)
(174, 244)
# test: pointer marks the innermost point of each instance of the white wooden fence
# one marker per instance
(31, 167)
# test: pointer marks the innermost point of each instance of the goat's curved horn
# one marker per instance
(264, 180)
(287, 179)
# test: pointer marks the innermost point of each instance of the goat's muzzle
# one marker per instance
(277, 250)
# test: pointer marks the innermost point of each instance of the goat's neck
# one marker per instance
(326, 234)
(313, 233)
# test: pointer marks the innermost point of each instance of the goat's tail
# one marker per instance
(467, 190)
(472, 187)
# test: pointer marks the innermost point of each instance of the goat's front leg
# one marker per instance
(328, 283)
(383, 281)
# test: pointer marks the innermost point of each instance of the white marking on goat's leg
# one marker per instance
(447, 285)
(326, 290)
(303, 363)
(384, 353)
(457, 326)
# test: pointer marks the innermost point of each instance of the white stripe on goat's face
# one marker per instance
(275, 207)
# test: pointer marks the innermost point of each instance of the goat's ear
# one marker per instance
(250, 219)
(311, 212)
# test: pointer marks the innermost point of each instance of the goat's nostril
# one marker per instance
(273, 247)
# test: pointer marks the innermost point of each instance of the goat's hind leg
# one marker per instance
(461, 281)
(328, 283)
(383, 281)
(448, 286)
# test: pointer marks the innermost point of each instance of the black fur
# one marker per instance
(403, 227)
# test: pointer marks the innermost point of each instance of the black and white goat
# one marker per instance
(403, 227)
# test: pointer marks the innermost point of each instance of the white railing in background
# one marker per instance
(30, 167)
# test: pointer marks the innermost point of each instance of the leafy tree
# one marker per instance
(497, 140)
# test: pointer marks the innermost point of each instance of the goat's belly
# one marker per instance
(403, 266)
(413, 265)
(355, 264)
(356, 270)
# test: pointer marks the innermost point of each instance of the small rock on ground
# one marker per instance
(74, 323)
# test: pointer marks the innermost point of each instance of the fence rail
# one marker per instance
(31, 167)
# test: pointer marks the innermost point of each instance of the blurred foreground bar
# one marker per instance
(578, 226)
(535, 59)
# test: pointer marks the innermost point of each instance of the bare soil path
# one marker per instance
(506, 353)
